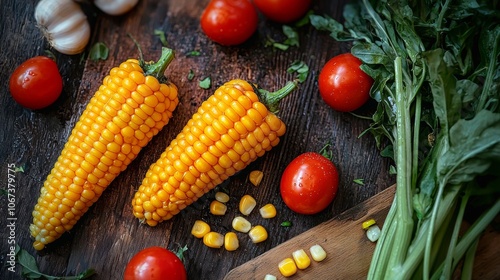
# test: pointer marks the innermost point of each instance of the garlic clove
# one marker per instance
(115, 7)
(63, 24)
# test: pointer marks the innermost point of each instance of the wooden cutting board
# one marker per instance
(349, 251)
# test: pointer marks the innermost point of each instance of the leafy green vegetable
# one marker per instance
(435, 64)
(206, 83)
(30, 268)
(99, 51)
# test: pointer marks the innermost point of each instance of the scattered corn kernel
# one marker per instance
(255, 177)
(317, 253)
(200, 228)
(269, 277)
(247, 204)
(221, 197)
(241, 224)
(218, 208)
(258, 234)
(301, 259)
(367, 224)
(268, 211)
(373, 233)
(213, 239)
(231, 242)
(287, 267)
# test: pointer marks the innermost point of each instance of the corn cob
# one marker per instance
(128, 109)
(231, 129)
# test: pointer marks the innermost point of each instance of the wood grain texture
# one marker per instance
(108, 235)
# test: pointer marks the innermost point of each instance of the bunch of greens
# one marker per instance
(437, 79)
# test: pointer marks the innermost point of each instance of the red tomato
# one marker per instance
(36, 83)
(155, 263)
(343, 85)
(283, 11)
(309, 183)
(229, 22)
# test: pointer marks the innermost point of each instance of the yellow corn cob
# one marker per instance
(229, 131)
(128, 109)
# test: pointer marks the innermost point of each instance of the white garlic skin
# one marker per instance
(115, 7)
(64, 25)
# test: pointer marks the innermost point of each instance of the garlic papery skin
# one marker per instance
(115, 7)
(64, 25)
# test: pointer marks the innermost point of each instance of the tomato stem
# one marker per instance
(326, 152)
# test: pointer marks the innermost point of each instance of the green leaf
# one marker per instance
(190, 76)
(286, 224)
(335, 28)
(370, 53)
(422, 205)
(206, 83)
(301, 68)
(359, 181)
(474, 146)
(292, 36)
(161, 35)
(99, 51)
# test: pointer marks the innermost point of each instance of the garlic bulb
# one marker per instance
(115, 7)
(64, 25)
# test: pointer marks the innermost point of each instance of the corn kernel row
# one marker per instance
(300, 260)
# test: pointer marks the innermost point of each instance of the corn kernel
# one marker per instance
(268, 211)
(247, 204)
(241, 224)
(287, 267)
(258, 234)
(301, 259)
(255, 177)
(213, 239)
(269, 277)
(218, 208)
(200, 228)
(317, 252)
(367, 224)
(373, 233)
(231, 242)
(221, 197)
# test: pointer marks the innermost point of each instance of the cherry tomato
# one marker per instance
(155, 263)
(343, 85)
(309, 183)
(283, 11)
(229, 22)
(36, 83)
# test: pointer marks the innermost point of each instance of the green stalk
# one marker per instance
(384, 245)
(469, 261)
(272, 99)
(453, 241)
(488, 83)
(403, 147)
(430, 234)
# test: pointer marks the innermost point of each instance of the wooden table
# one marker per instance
(109, 235)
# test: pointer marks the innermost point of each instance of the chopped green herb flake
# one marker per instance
(193, 53)
(359, 181)
(161, 35)
(206, 83)
(190, 75)
(99, 51)
(286, 224)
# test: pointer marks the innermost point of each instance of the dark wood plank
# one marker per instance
(109, 235)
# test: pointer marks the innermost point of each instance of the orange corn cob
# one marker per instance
(229, 131)
(130, 107)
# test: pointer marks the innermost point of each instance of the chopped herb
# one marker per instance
(206, 83)
(301, 68)
(292, 36)
(99, 51)
(359, 181)
(3, 191)
(193, 53)
(286, 224)
(190, 75)
(161, 34)
(30, 268)
(20, 168)
(304, 20)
